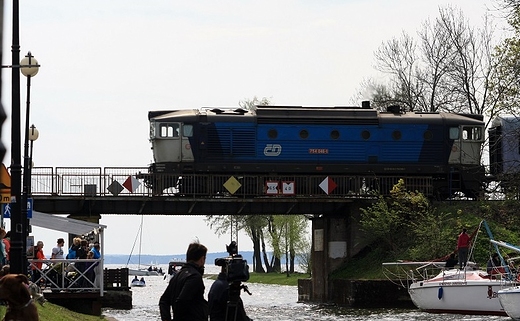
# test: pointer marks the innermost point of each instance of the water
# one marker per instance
(277, 302)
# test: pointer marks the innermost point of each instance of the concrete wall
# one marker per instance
(336, 237)
(360, 294)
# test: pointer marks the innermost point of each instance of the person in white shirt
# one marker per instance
(57, 252)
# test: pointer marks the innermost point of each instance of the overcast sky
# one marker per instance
(105, 64)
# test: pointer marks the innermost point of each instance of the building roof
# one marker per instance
(65, 224)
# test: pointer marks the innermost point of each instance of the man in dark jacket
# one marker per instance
(218, 298)
(185, 292)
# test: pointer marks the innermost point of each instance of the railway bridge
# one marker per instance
(86, 193)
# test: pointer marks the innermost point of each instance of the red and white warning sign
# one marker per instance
(131, 184)
(328, 185)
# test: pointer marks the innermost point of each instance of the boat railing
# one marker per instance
(61, 275)
(406, 272)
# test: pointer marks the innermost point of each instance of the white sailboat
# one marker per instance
(141, 271)
(437, 289)
(510, 297)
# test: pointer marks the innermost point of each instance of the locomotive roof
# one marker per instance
(309, 115)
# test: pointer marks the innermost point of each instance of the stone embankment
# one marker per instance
(360, 293)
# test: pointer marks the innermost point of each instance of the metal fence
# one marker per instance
(135, 181)
(78, 275)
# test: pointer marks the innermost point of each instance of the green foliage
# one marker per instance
(434, 235)
(53, 312)
(277, 278)
(393, 220)
(406, 224)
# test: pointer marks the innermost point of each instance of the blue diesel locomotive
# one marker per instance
(316, 141)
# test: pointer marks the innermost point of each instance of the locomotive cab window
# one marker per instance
(472, 133)
(187, 130)
(168, 130)
(454, 133)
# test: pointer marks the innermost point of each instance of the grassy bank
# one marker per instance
(272, 278)
(277, 278)
(53, 312)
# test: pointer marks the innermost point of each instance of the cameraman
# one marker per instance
(185, 292)
(218, 298)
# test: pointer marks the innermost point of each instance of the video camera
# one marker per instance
(235, 266)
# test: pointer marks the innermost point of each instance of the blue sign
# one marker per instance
(6, 209)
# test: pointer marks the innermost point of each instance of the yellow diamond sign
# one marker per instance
(232, 185)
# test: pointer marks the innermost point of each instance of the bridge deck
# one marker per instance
(124, 190)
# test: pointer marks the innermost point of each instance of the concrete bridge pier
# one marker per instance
(336, 237)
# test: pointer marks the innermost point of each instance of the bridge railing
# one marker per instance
(136, 181)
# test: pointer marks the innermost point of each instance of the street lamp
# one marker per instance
(29, 68)
(33, 135)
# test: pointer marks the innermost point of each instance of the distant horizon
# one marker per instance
(153, 259)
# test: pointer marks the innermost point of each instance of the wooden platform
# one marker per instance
(116, 294)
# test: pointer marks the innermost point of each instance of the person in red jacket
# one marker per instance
(463, 247)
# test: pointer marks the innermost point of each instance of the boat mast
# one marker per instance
(140, 242)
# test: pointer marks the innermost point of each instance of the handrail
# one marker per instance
(98, 181)
(69, 276)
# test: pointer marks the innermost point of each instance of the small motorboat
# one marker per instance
(173, 267)
(138, 282)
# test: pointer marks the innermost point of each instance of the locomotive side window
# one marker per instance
(304, 134)
(334, 134)
(365, 134)
(472, 133)
(396, 135)
(454, 133)
(187, 130)
(168, 130)
(272, 133)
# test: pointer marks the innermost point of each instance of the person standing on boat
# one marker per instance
(185, 292)
(493, 265)
(463, 248)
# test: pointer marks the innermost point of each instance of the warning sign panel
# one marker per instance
(5, 185)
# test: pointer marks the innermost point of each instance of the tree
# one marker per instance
(389, 220)
(250, 104)
(505, 87)
(290, 238)
(253, 225)
(448, 68)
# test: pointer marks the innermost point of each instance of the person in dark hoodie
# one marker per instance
(218, 297)
(185, 292)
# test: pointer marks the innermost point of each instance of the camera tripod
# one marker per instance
(234, 300)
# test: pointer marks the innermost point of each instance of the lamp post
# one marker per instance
(29, 68)
(33, 135)
(17, 251)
